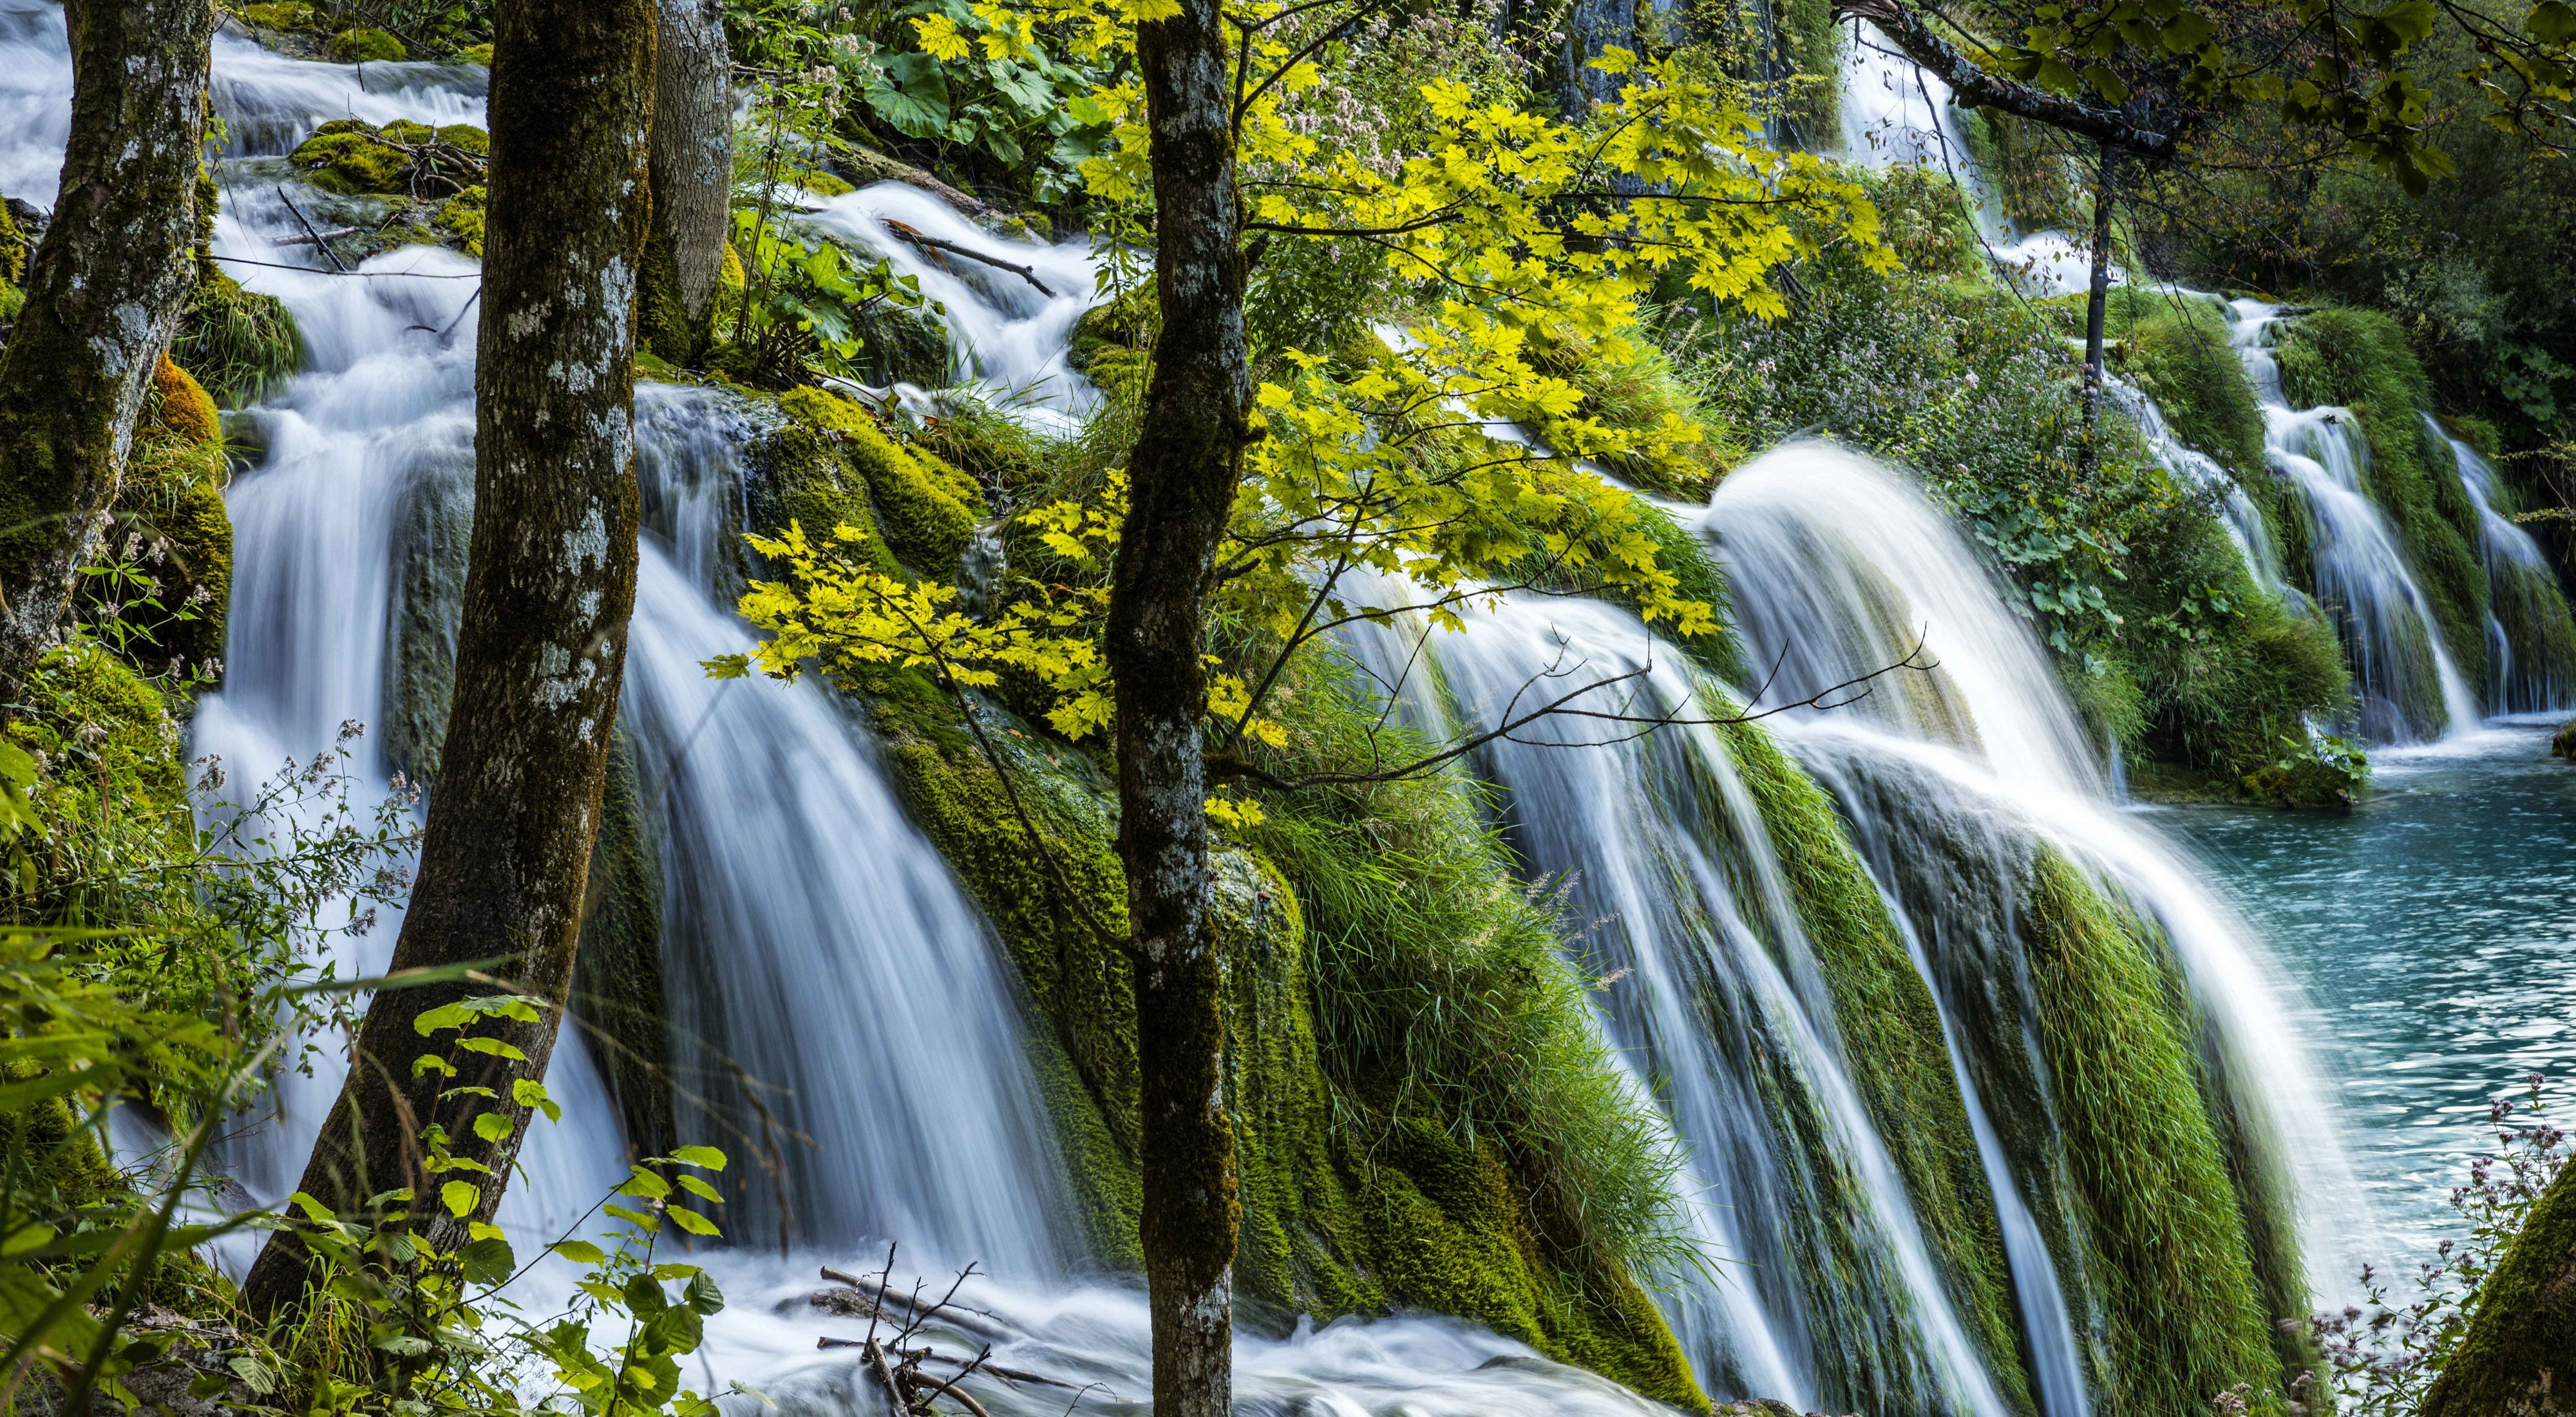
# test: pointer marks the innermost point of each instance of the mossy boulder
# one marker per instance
(831, 463)
(288, 15)
(2562, 744)
(400, 159)
(433, 528)
(237, 343)
(180, 406)
(13, 250)
(461, 219)
(364, 46)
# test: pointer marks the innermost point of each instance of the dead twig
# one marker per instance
(928, 242)
(336, 263)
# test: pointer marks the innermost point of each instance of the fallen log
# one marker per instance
(928, 242)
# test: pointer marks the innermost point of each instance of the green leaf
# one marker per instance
(691, 1221)
(699, 1188)
(644, 1185)
(493, 1046)
(460, 1197)
(488, 1261)
(634, 1217)
(2551, 22)
(644, 1297)
(706, 1156)
(580, 1252)
(702, 1294)
(493, 1126)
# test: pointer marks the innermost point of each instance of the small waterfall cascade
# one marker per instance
(1825, 1288)
(1950, 779)
(2410, 689)
(1893, 113)
(812, 935)
(2529, 668)
(2246, 528)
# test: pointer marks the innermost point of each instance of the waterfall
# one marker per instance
(2410, 690)
(813, 935)
(2246, 529)
(2529, 666)
(1893, 113)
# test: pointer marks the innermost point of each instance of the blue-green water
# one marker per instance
(2433, 933)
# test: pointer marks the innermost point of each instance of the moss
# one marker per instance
(1810, 44)
(343, 156)
(1891, 1030)
(13, 250)
(2360, 359)
(288, 15)
(926, 509)
(1925, 218)
(1630, 384)
(461, 218)
(180, 407)
(1328, 1227)
(617, 970)
(902, 346)
(237, 344)
(2562, 744)
(2185, 1313)
(365, 46)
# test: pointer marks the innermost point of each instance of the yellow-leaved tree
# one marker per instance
(1427, 469)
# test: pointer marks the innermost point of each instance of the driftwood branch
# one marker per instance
(928, 242)
(317, 238)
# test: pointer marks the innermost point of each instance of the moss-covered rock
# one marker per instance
(833, 459)
(433, 528)
(284, 15)
(2562, 744)
(238, 344)
(2518, 1358)
(2186, 1315)
(365, 46)
(180, 407)
(13, 249)
(460, 218)
(400, 159)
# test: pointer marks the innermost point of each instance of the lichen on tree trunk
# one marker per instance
(1187, 462)
(102, 295)
(549, 585)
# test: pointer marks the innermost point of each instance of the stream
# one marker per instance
(2431, 934)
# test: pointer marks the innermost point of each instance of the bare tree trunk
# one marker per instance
(2519, 1358)
(2097, 304)
(1187, 461)
(541, 644)
(692, 174)
(103, 291)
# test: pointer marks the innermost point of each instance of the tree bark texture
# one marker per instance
(1974, 86)
(1187, 462)
(2097, 303)
(2519, 1358)
(103, 292)
(541, 643)
(692, 162)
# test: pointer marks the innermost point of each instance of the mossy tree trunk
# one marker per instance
(1187, 461)
(550, 580)
(692, 163)
(2519, 1358)
(103, 293)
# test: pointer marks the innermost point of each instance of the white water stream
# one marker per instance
(815, 938)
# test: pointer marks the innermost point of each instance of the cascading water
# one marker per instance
(2410, 689)
(1839, 569)
(2246, 528)
(2529, 668)
(1826, 1289)
(1893, 113)
(814, 936)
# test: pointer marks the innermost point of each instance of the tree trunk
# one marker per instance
(692, 160)
(2519, 1358)
(103, 292)
(2097, 304)
(541, 643)
(1187, 460)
